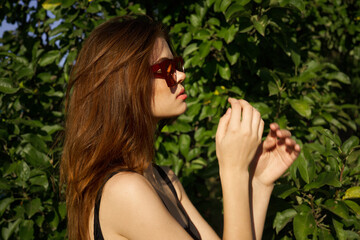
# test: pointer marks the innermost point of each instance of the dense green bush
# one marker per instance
(296, 61)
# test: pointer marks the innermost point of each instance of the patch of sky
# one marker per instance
(33, 5)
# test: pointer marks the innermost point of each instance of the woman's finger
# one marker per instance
(290, 142)
(261, 129)
(256, 121)
(247, 114)
(271, 138)
(223, 125)
(282, 133)
(236, 111)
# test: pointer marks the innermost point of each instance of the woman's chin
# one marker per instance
(171, 113)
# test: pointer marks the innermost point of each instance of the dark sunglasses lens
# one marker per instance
(179, 63)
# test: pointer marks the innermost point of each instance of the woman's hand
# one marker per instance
(274, 156)
(238, 135)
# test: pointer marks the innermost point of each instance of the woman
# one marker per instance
(125, 80)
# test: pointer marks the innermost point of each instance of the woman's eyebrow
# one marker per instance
(162, 59)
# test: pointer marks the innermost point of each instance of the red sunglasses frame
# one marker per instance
(168, 67)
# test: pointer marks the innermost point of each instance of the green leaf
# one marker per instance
(172, 146)
(49, 57)
(228, 34)
(349, 144)
(299, 4)
(186, 38)
(233, 10)
(333, 137)
(214, 22)
(193, 153)
(23, 170)
(36, 158)
(325, 178)
(94, 7)
(273, 88)
(33, 207)
(225, 71)
(353, 206)
(301, 106)
(341, 77)
(337, 207)
(55, 221)
(7, 232)
(340, 232)
(260, 24)
(26, 230)
(243, 2)
(189, 49)
(207, 111)
(283, 218)
(295, 57)
(204, 49)
(35, 140)
(210, 2)
(5, 203)
(263, 108)
(284, 190)
(7, 87)
(304, 166)
(304, 224)
(217, 44)
(184, 144)
(224, 5)
(193, 110)
(180, 126)
(353, 192)
(195, 20)
(59, 29)
(232, 55)
(50, 129)
(325, 234)
(26, 72)
(40, 180)
(352, 235)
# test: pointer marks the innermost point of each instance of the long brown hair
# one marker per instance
(109, 125)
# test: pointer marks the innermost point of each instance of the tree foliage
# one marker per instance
(297, 62)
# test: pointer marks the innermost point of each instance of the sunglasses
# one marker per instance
(167, 68)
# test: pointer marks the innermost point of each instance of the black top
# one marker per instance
(189, 227)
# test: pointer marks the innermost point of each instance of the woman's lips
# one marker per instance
(182, 95)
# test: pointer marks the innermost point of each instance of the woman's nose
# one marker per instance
(180, 76)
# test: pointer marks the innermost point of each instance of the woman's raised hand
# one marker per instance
(238, 135)
(274, 156)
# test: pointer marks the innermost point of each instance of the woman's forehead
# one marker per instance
(161, 50)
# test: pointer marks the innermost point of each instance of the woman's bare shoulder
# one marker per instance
(124, 184)
(128, 202)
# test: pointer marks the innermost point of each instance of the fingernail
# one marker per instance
(228, 111)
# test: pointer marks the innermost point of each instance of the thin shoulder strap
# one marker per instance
(165, 177)
(97, 228)
(191, 228)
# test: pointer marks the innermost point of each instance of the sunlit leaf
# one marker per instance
(301, 106)
(225, 72)
(6, 86)
(353, 192)
(283, 218)
(49, 57)
(349, 144)
(304, 224)
(184, 144)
